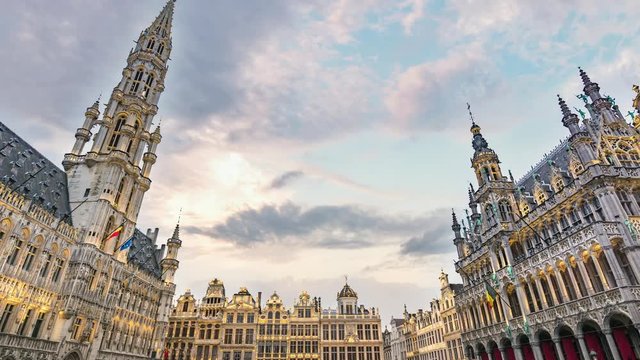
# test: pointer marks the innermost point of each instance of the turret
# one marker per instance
(485, 162)
(347, 300)
(458, 240)
(170, 262)
(83, 134)
(590, 89)
(569, 119)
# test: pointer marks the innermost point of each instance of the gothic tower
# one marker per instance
(108, 182)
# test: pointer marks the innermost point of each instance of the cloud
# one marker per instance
(421, 96)
(416, 13)
(330, 226)
(285, 179)
(436, 239)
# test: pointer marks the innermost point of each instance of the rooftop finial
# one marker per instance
(179, 215)
(473, 122)
(455, 218)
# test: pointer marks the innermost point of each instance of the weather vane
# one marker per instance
(470, 114)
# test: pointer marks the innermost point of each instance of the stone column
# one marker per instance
(612, 344)
(517, 350)
(585, 277)
(537, 353)
(558, 344)
(503, 352)
(563, 286)
(583, 346)
(603, 277)
(576, 288)
(543, 297)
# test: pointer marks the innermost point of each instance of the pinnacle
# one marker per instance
(563, 106)
(176, 232)
(585, 78)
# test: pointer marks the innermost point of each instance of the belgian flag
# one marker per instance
(490, 293)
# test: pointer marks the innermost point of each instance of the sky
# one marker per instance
(311, 140)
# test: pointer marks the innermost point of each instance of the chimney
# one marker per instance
(260, 301)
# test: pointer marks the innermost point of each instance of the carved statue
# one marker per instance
(631, 114)
(636, 100)
(582, 97)
(581, 112)
(611, 100)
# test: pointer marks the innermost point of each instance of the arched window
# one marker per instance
(536, 293)
(134, 139)
(578, 276)
(594, 277)
(623, 260)
(527, 293)
(606, 268)
(517, 251)
(115, 135)
(490, 215)
(147, 85)
(151, 44)
(484, 172)
(625, 201)
(556, 287)
(270, 315)
(137, 79)
(566, 278)
(495, 174)
(505, 210)
(277, 315)
(513, 300)
(545, 289)
(558, 183)
(185, 307)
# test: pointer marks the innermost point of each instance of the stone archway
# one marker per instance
(594, 340)
(525, 347)
(470, 352)
(508, 349)
(482, 352)
(74, 355)
(494, 350)
(625, 336)
(568, 342)
(547, 347)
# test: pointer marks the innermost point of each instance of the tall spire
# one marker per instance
(161, 26)
(569, 119)
(590, 89)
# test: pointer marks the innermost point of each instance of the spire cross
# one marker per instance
(470, 114)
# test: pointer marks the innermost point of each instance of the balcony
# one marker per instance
(27, 343)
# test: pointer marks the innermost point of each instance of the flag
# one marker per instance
(115, 233)
(127, 244)
(490, 293)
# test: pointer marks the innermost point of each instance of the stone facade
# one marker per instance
(434, 334)
(78, 280)
(240, 329)
(559, 247)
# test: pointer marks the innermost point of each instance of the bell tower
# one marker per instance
(108, 182)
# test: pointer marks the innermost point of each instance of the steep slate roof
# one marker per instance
(558, 156)
(456, 287)
(144, 254)
(19, 161)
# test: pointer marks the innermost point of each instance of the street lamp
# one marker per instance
(593, 355)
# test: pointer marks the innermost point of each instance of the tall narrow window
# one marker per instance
(556, 288)
(160, 48)
(57, 269)
(147, 85)
(45, 267)
(13, 257)
(107, 231)
(135, 85)
(596, 282)
(6, 315)
(505, 210)
(151, 44)
(624, 263)
(566, 278)
(77, 324)
(37, 325)
(625, 202)
(28, 260)
(115, 136)
(116, 200)
(606, 268)
(133, 140)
